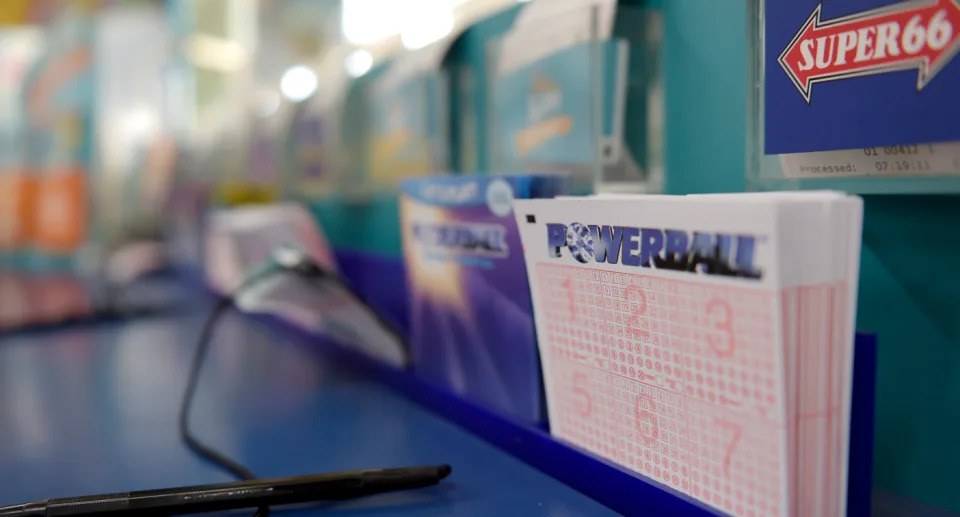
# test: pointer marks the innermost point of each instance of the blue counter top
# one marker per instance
(92, 409)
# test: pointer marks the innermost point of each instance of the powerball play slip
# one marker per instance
(704, 342)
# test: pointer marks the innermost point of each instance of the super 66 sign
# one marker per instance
(855, 73)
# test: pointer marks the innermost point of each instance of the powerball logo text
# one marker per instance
(678, 250)
(463, 238)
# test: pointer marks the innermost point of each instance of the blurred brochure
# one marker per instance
(239, 240)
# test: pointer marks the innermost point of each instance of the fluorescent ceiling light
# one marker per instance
(369, 21)
(298, 83)
(215, 53)
(431, 21)
(358, 62)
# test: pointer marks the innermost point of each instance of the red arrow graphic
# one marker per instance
(923, 34)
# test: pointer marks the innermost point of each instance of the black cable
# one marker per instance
(204, 451)
(305, 269)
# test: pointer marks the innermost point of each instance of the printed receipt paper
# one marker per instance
(705, 341)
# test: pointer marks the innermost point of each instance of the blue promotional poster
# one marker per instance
(314, 157)
(19, 48)
(58, 96)
(308, 138)
(848, 74)
(472, 329)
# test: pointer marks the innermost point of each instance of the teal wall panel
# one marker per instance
(909, 296)
(910, 276)
(371, 226)
(470, 52)
(705, 95)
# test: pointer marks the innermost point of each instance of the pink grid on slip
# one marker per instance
(675, 380)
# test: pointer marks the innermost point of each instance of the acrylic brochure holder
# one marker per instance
(241, 241)
(609, 484)
(407, 126)
(844, 98)
(570, 94)
(622, 491)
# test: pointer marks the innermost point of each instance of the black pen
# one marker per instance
(242, 494)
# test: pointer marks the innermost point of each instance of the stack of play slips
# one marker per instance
(705, 342)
